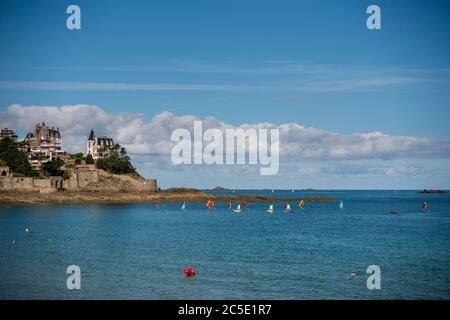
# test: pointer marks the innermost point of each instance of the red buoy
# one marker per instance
(189, 272)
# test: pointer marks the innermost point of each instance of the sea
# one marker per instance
(138, 251)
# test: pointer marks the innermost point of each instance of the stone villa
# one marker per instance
(7, 133)
(98, 147)
(43, 145)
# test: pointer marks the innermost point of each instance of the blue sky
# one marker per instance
(314, 63)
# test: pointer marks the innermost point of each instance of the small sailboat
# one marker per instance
(229, 205)
(341, 205)
(273, 191)
(238, 209)
(287, 208)
(270, 210)
(301, 204)
(210, 205)
(183, 206)
(244, 204)
(293, 191)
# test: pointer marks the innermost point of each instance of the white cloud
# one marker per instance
(153, 137)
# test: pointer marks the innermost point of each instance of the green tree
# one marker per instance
(78, 155)
(89, 159)
(53, 168)
(116, 161)
(15, 158)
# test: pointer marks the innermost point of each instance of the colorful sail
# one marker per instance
(238, 208)
(229, 205)
(210, 204)
(301, 204)
(270, 210)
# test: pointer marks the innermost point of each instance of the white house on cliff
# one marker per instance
(98, 147)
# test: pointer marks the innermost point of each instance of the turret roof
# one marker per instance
(91, 135)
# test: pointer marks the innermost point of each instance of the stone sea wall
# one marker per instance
(81, 177)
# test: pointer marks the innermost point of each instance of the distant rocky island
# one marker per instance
(433, 191)
(219, 188)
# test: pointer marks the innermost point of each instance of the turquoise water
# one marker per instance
(139, 252)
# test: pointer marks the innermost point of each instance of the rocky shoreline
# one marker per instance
(128, 197)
